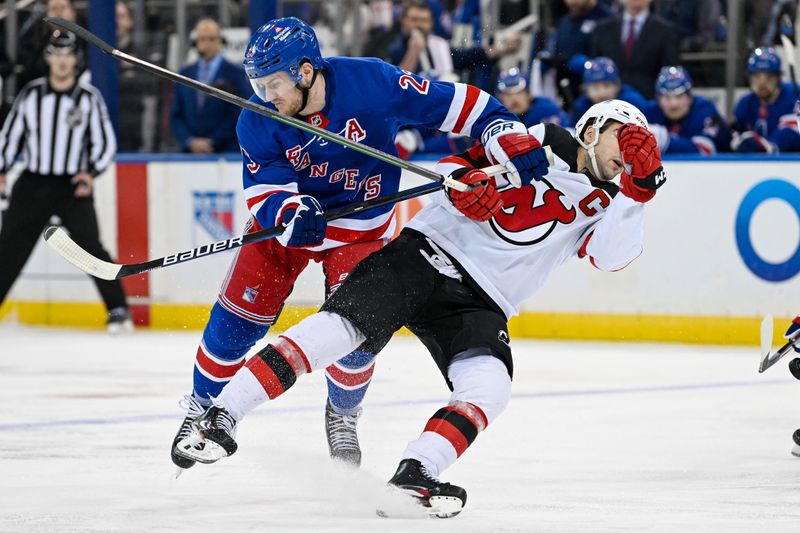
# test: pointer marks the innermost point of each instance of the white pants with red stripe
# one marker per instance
(481, 387)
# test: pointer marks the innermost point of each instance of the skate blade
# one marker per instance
(178, 471)
(796, 451)
(444, 506)
(196, 448)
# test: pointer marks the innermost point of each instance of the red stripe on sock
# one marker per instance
(345, 378)
(215, 369)
(265, 376)
(450, 432)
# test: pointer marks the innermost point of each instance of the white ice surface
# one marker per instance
(598, 437)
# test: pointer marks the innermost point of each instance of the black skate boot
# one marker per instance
(193, 410)
(210, 437)
(342, 437)
(441, 500)
(796, 438)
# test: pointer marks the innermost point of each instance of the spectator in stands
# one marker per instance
(764, 117)
(204, 124)
(137, 90)
(601, 81)
(512, 91)
(30, 52)
(572, 41)
(689, 123)
(640, 43)
(417, 49)
(696, 21)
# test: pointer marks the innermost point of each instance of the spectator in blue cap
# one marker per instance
(512, 91)
(684, 122)
(601, 82)
(764, 118)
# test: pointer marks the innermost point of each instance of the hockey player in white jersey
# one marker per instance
(455, 275)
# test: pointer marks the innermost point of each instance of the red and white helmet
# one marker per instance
(598, 115)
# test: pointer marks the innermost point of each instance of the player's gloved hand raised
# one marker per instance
(642, 174)
(521, 153)
(481, 202)
(792, 332)
(304, 221)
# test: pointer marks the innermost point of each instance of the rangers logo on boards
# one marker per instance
(213, 212)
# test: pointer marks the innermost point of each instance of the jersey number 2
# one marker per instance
(420, 86)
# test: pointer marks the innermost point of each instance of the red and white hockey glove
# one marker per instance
(518, 151)
(303, 219)
(642, 174)
(481, 202)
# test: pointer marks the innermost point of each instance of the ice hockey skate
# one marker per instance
(119, 321)
(796, 447)
(193, 410)
(342, 437)
(210, 438)
(440, 500)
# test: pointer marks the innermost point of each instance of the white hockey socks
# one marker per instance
(314, 343)
(481, 390)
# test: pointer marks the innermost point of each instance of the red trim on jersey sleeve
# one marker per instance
(449, 432)
(796, 320)
(352, 235)
(255, 199)
(470, 99)
(456, 160)
(582, 250)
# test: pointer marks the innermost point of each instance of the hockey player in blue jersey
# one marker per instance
(456, 274)
(690, 123)
(512, 91)
(291, 177)
(601, 82)
(765, 120)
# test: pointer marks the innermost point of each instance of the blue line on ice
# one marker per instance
(516, 397)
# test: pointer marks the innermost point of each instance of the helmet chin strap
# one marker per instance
(304, 91)
(590, 150)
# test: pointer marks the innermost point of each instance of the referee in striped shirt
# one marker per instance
(62, 128)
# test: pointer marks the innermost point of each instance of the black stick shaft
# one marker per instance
(242, 240)
(88, 36)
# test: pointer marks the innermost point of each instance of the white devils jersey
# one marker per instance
(541, 225)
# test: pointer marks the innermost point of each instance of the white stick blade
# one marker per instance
(766, 340)
(59, 241)
(766, 335)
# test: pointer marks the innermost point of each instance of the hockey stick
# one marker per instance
(59, 241)
(787, 28)
(86, 35)
(768, 359)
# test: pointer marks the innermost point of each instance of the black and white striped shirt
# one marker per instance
(60, 133)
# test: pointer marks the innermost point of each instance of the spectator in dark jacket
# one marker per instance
(204, 124)
(572, 43)
(639, 42)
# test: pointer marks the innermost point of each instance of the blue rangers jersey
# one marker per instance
(777, 122)
(366, 100)
(751, 115)
(701, 131)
